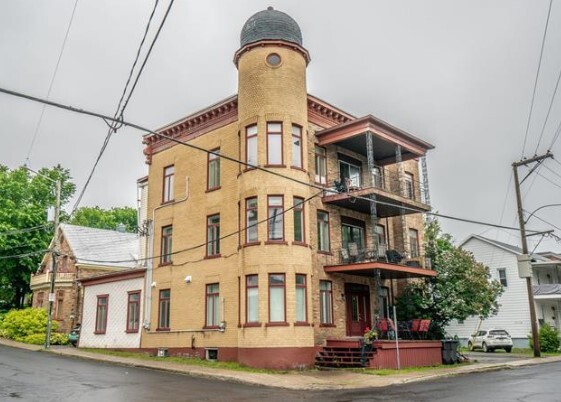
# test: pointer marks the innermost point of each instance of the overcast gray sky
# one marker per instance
(458, 74)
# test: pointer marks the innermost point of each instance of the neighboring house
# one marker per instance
(262, 269)
(514, 311)
(84, 252)
(112, 310)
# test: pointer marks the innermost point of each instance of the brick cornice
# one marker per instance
(192, 126)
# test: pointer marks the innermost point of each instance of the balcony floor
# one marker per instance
(388, 205)
(387, 270)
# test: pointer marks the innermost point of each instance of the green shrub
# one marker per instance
(549, 339)
(18, 324)
(39, 339)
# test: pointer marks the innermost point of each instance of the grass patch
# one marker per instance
(190, 361)
(405, 370)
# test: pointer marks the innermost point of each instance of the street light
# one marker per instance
(54, 251)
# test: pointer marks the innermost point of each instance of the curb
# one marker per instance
(340, 381)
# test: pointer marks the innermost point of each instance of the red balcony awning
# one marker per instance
(387, 270)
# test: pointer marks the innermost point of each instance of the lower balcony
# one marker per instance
(391, 263)
(42, 280)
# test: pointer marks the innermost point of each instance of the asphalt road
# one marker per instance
(38, 376)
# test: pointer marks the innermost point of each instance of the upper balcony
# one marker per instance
(381, 145)
(42, 280)
(390, 263)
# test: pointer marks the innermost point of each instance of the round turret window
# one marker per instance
(273, 60)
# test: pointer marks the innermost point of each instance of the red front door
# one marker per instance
(357, 298)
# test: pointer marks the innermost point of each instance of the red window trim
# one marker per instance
(281, 206)
(256, 208)
(209, 160)
(160, 310)
(216, 246)
(300, 208)
(247, 287)
(328, 233)
(165, 254)
(301, 167)
(275, 133)
(132, 292)
(104, 330)
(324, 157)
(247, 137)
(332, 323)
(171, 193)
(305, 287)
(217, 308)
(277, 323)
(59, 298)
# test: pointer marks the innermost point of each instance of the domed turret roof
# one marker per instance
(270, 24)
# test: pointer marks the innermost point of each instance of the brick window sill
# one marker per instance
(210, 257)
(210, 190)
(276, 242)
(327, 326)
(277, 324)
(252, 325)
(302, 324)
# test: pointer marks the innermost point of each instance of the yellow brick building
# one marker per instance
(296, 228)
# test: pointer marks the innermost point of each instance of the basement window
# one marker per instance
(211, 354)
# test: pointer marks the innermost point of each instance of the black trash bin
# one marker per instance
(450, 351)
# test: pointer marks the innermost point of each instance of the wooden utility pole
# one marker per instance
(54, 252)
(515, 165)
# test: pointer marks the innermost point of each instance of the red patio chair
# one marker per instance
(415, 324)
(424, 328)
(384, 326)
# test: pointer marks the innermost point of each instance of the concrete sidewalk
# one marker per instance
(305, 380)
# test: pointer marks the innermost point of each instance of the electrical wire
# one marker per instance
(120, 110)
(536, 80)
(546, 222)
(248, 165)
(24, 230)
(548, 111)
(244, 229)
(6, 257)
(37, 127)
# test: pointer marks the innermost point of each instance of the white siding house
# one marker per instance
(514, 311)
(112, 312)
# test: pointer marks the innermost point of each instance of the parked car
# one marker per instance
(491, 339)
(74, 335)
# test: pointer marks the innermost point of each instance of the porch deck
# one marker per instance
(347, 352)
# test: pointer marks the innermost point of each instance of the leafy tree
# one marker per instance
(96, 217)
(461, 288)
(24, 230)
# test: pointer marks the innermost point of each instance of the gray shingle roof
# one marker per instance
(510, 247)
(102, 247)
(270, 24)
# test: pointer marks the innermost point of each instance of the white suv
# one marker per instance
(491, 339)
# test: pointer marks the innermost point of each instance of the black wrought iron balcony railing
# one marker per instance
(352, 254)
(384, 179)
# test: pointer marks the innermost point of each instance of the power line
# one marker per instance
(52, 82)
(552, 171)
(120, 110)
(547, 223)
(548, 111)
(6, 257)
(24, 230)
(283, 212)
(555, 136)
(552, 182)
(248, 165)
(536, 81)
